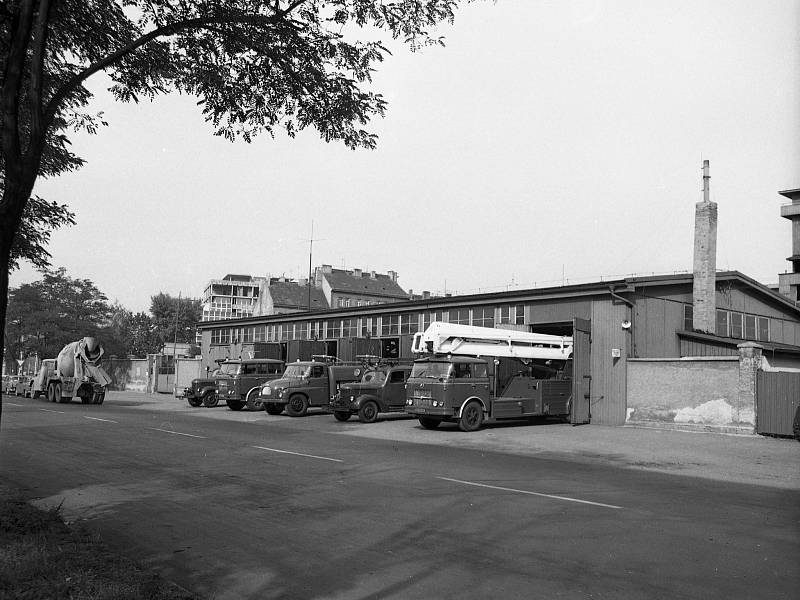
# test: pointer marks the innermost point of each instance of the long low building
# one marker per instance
(636, 327)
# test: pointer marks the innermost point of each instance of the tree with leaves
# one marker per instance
(175, 319)
(254, 66)
(45, 315)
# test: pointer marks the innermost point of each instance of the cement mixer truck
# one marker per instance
(76, 371)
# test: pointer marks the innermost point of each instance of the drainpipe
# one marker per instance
(633, 316)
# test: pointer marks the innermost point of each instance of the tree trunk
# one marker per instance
(12, 206)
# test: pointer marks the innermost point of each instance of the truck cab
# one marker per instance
(238, 381)
(381, 389)
(306, 384)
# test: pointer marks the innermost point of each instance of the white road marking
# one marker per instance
(505, 489)
(98, 419)
(61, 412)
(298, 454)
(178, 433)
(12, 404)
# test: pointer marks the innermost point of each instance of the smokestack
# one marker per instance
(705, 260)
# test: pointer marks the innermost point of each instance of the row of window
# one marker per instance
(387, 325)
(733, 324)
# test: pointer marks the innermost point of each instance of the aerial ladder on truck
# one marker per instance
(476, 374)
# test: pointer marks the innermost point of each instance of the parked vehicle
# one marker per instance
(478, 374)
(76, 371)
(381, 390)
(201, 391)
(307, 384)
(239, 381)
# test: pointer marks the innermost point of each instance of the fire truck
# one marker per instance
(474, 375)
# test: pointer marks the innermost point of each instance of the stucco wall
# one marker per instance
(699, 391)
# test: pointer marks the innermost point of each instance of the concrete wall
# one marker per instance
(701, 391)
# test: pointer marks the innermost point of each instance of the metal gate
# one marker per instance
(777, 398)
(581, 372)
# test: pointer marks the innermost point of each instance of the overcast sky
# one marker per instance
(548, 141)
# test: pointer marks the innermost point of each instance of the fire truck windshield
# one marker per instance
(434, 370)
(374, 377)
(296, 371)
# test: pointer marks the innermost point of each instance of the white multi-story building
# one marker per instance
(232, 297)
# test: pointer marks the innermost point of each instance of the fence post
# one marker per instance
(750, 355)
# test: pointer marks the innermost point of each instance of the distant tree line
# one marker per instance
(47, 314)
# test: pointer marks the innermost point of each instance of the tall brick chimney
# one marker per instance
(705, 260)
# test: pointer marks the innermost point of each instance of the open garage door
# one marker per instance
(581, 372)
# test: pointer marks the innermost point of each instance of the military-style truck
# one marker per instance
(381, 390)
(307, 384)
(236, 381)
(473, 375)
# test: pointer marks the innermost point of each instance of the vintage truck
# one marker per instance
(381, 390)
(307, 384)
(236, 381)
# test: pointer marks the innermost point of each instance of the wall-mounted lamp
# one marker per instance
(626, 324)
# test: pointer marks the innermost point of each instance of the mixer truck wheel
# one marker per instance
(57, 397)
(50, 392)
(210, 399)
(100, 397)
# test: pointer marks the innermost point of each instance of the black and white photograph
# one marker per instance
(400, 299)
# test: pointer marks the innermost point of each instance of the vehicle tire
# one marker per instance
(36, 394)
(272, 408)
(297, 406)
(57, 397)
(86, 400)
(101, 398)
(50, 393)
(210, 399)
(253, 403)
(235, 404)
(471, 416)
(368, 412)
(429, 422)
(342, 415)
(195, 402)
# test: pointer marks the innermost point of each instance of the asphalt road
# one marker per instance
(257, 506)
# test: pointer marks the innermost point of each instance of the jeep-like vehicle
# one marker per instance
(202, 391)
(305, 384)
(381, 389)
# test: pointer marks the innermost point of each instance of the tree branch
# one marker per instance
(165, 31)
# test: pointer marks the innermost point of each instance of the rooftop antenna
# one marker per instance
(310, 253)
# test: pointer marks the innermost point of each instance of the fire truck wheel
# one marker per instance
(195, 402)
(429, 423)
(368, 413)
(273, 409)
(471, 417)
(297, 406)
(235, 404)
(210, 399)
(253, 403)
(342, 415)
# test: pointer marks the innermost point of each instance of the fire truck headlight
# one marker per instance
(265, 391)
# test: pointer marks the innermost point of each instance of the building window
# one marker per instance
(369, 327)
(343, 302)
(688, 317)
(460, 316)
(286, 332)
(316, 330)
(722, 323)
(390, 325)
(512, 314)
(334, 329)
(248, 334)
(749, 327)
(737, 327)
(483, 317)
(763, 329)
(409, 323)
(349, 328)
(301, 331)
